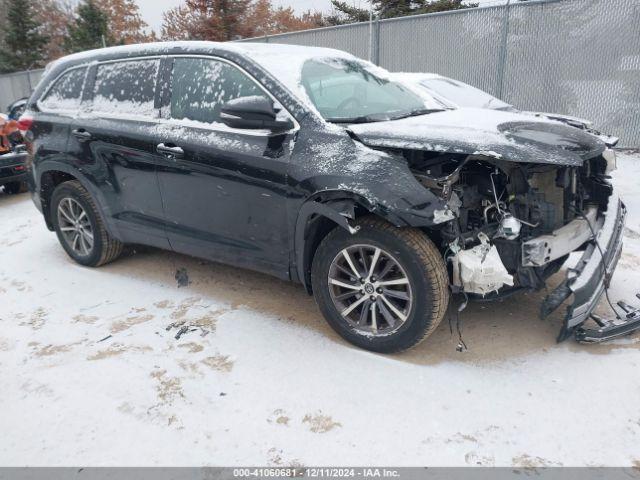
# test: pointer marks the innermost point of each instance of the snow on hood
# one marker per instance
(505, 135)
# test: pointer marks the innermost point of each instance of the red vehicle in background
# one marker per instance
(12, 157)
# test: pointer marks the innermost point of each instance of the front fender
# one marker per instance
(339, 207)
(337, 211)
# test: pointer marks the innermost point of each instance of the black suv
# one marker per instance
(311, 165)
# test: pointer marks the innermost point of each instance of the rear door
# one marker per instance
(114, 142)
(224, 195)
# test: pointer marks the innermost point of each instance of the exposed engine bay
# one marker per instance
(515, 199)
(497, 209)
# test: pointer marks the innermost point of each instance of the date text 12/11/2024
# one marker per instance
(324, 472)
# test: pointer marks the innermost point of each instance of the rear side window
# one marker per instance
(201, 86)
(66, 92)
(126, 87)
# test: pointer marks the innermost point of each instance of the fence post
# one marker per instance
(375, 43)
(502, 56)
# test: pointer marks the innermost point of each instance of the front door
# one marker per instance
(224, 189)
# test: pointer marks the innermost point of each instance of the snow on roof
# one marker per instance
(257, 51)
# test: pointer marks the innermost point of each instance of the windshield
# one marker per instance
(464, 95)
(345, 91)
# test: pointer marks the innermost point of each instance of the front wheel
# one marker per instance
(79, 226)
(384, 288)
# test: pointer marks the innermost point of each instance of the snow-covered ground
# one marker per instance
(270, 383)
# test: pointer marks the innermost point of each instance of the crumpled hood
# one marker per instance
(505, 135)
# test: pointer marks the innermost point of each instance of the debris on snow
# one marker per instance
(184, 329)
(182, 277)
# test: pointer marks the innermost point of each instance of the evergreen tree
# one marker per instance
(393, 8)
(219, 20)
(89, 28)
(345, 13)
(23, 44)
(223, 20)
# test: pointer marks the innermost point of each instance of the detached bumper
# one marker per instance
(587, 280)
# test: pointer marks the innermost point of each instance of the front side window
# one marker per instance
(201, 86)
(346, 91)
(126, 87)
(66, 92)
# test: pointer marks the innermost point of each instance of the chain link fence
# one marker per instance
(575, 57)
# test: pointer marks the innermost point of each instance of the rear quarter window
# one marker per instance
(126, 87)
(66, 92)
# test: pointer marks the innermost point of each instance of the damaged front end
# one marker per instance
(520, 197)
(514, 224)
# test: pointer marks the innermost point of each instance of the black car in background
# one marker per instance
(311, 165)
(13, 171)
(17, 108)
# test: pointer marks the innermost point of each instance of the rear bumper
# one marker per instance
(12, 167)
(587, 280)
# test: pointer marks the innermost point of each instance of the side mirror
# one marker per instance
(252, 113)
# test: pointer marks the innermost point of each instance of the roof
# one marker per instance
(250, 49)
(281, 61)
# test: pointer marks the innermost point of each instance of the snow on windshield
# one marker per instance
(287, 62)
(344, 90)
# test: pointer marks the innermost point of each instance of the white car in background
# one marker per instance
(456, 94)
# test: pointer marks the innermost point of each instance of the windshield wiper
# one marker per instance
(360, 119)
(375, 118)
(418, 111)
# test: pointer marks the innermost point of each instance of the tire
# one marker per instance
(74, 199)
(14, 188)
(417, 259)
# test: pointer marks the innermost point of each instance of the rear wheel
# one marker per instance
(79, 226)
(14, 188)
(384, 288)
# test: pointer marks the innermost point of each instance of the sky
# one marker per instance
(151, 10)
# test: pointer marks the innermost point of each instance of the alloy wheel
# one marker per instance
(75, 226)
(370, 289)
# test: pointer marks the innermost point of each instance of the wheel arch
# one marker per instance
(319, 215)
(53, 174)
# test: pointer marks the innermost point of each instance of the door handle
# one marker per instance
(81, 134)
(169, 151)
